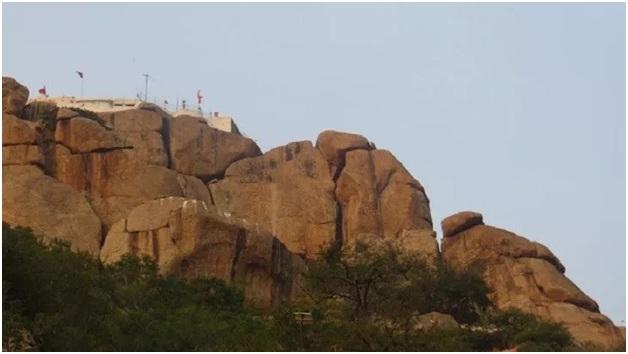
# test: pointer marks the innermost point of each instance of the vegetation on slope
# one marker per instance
(58, 300)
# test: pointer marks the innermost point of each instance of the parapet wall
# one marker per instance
(100, 105)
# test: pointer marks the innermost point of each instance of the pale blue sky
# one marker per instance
(513, 110)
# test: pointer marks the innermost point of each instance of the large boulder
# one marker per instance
(194, 188)
(17, 131)
(378, 195)
(50, 208)
(199, 150)
(288, 191)
(334, 145)
(22, 155)
(83, 135)
(115, 183)
(525, 275)
(144, 130)
(14, 96)
(463, 220)
(187, 238)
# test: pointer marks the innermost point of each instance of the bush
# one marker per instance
(68, 301)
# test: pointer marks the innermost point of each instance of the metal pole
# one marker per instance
(146, 88)
(82, 87)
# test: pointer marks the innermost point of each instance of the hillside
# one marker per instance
(204, 202)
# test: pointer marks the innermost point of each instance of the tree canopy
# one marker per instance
(372, 300)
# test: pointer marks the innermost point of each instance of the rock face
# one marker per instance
(460, 221)
(288, 191)
(378, 195)
(22, 155)
(313, 197)
(206, 202)
(199, 150)
(144, 131)
(334, 145)
(82, 135)
(14, 96)
(49, 208)
(190, 239)
(525, 275)
(16, 131)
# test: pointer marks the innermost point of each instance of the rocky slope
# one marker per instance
(206, 202)
(525, 275)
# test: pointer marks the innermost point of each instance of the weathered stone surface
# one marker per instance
(585, 326)
(461, 221)
(22, 155)
(199, 150)
(66, 113)
(152, 215)
(136, 121)
(14, 96)
(116, 184)
(557, 287)
(83, 135)
(543, 252)
(435, 320)
(525, 275)
(147, 147)
(288, 191)
(194, 188)
(420, 241)
(17, 131)
(187, 238)
(49, 208)
(379, 196)
(334, 145)
(43, 113)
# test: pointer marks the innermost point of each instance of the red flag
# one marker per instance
(80, 73)
(198, 96)
(43, 90)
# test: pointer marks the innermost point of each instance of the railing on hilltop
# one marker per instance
(172, 107)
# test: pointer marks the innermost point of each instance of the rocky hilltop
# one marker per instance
(201, 201)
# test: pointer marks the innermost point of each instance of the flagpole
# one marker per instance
(81, 87)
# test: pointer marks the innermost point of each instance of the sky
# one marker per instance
(517, 111)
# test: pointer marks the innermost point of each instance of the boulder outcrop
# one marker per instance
(187, 238)
(197, 149)
(82, 135)
(206, 202)
(525, 275)
(16, 131)
(288, 191)
(334, 145)
(50, 208)
(22, 155)
(378, 195)
(14, 96)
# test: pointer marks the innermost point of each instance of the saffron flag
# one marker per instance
(198, 96)
(80, 73)
(43, 90)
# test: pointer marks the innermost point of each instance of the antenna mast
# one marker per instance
(146, 76)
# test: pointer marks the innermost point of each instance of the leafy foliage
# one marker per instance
(58, 300)
(69, 301)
